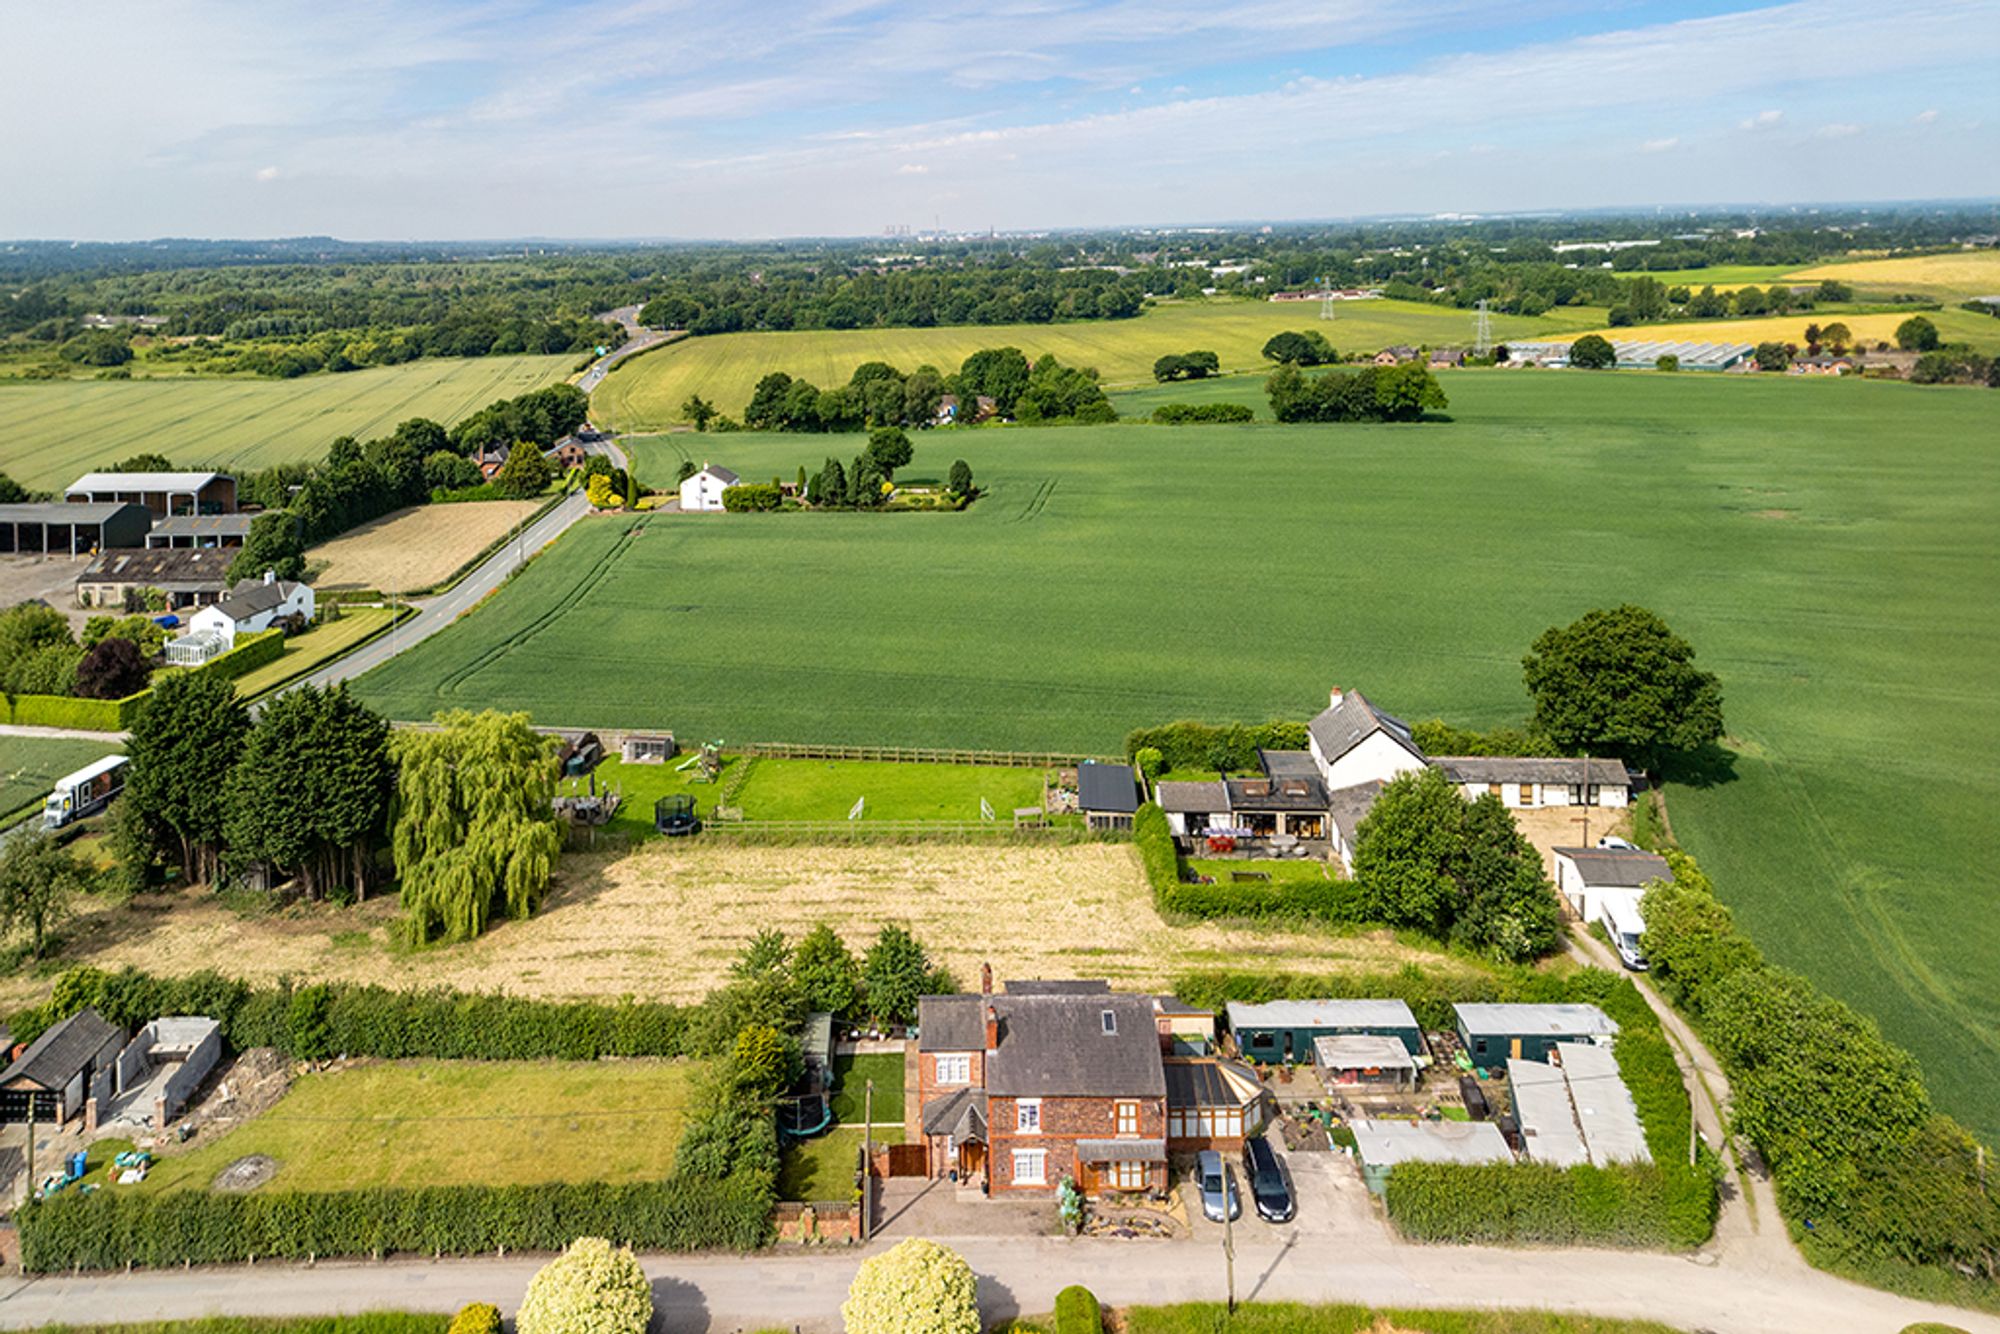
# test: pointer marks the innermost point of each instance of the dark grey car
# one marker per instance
(1268, 1189)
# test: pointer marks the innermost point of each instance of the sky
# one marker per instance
(449, 119)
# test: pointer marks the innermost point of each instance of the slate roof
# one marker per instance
(962, 1115)
(1053, 1045)
(722, 474)
(1057, 987)
(59, 1054)
(1283, 794)
(1617, 868)
(202, 525)
(1533, 769)
(1341, 727)
(1107, 787)
(1350, 806)
(1182, 798)
(1121, 1151)
(251, 596)
(1288, 763)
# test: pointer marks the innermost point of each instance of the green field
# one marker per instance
(826, 790)
(30, 765)
(314, 649)
(1830, 546)
(447, 1123)
(646, 393)
(57, 430)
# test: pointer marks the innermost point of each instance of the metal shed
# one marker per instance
(1493, 1033)
(1286, 1030)
(1380, 1145)
(44, 528)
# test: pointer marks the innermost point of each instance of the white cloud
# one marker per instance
(1925, 117)
(1764, 120)
(1837, 130)
(1659, 145)
(912, 169)
(267, 173)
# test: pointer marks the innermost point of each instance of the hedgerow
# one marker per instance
(1185, 414)
(1535, 1203)
(1318, 900)
(341, 1018)
(108, 1230)
(1191, 745)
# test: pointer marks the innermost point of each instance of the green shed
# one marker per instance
(1493, 1034)
(1286, 1030)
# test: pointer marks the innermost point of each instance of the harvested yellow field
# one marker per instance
(1955, 326)
(414, 548)
(664, 922)
(1954, 277)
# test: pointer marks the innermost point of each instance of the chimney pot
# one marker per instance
(1334, 696)
(992, 1029)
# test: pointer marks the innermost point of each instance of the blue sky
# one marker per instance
(371, 119)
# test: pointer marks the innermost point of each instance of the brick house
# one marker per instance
(1021, 1089)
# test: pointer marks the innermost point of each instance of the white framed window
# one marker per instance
(1128, 1118)
(1128, 1176)
(1031, 1167)
(954, 1069)
(1028, 1116)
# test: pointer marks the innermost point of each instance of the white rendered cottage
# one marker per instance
(253, 605)
(702, 492)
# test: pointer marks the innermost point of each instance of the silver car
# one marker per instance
(1216, 1183)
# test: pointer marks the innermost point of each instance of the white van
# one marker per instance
(1618, 910)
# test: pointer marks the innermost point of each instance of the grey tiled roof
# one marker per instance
(1107, 787)
(1343, 726)
(1532, 769)
(58, 1055)
(1619, 868)
(1053, 1045)
(1350, 806)
(1211, 797)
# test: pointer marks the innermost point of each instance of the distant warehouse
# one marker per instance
(164, 493)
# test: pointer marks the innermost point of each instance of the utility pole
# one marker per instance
(1229, 1233)
(31, 1144)
(867, 1157)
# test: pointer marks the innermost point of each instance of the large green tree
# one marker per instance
(1916, 334)
(1618, 682)
(894, 973)
(274, 544)
(184, 744)
(39, 878)
(1001, 373)
(310, 796)
(825, 973)
(474, 829)
(1592, 352)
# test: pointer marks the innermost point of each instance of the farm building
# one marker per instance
(1364, 1059)
(1529, 782)
(1107, 794)
(1286, 1030)
(1642, 355)
(1585, 875)
(568, 453)
(702, 492)
(1210, 1105)
(1395, 356)
(252, 606)
(164, 493)
(1446, 358)
(118, 578)
(1494, 1032)
(948, 409)
(1545, 1115)
(1380, 1145)
(201, 530)
(51, 1080)
(55, 527)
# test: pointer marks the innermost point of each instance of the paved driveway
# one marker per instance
(1332, 1204)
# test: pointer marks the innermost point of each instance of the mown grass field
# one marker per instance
(313, 649)
(646, 393)
(56, 430)
(449, 1123)
(827, 790)
(30, 765)
(1828, 545)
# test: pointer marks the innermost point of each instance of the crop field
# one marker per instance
(1723, 277)
(456, 1123)
(1955, 326)
(647, 392)
(1828, 546)
(415, 548)
(30, 765)
(50, 432)
(1952, 277)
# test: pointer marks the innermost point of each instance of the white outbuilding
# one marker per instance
(702, 492)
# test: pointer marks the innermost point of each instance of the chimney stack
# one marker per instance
(986, 979)
(1334, 696)
(992, 1029)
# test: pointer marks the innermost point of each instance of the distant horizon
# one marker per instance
(603, 120)
(1800, 210)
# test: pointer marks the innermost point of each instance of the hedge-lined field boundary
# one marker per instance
(1322, 900)
(109, 1230)
(117, 715)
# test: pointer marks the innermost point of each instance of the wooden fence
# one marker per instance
(1010, 759)
(888, 830)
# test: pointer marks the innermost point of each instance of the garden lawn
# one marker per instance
(315, 648)
(822, 1169)
(646, 392)
(828, 789)
(452, 1123)
(1281, 872)
(1291, 1318)
(57, 430)
(641, 785)
(1829, 546)
(30, 765)
(854, 1072)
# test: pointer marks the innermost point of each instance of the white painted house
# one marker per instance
(252, 606)
(702, 493)
(1353, 742)
(1530, 781)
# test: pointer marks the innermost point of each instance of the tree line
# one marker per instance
(879, 395)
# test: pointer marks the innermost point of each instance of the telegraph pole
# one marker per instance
(867, 1154)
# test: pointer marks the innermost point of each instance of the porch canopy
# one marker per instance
(1121, 1151)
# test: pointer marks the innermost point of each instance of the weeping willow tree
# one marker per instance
(475, 832)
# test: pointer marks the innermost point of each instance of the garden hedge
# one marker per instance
(1321, 900)
(250, 653)
(108, 1230)
(1078, 1311)
(1192, 745)
(116, 715)
(1534, 1203)
(340, 1018)
(1183, 414)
